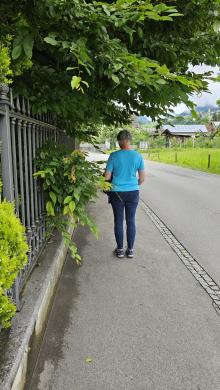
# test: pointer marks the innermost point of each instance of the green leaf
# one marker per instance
(183, 80)
(173, 10)
(65, 44)
(163, 8)
(176, 14)
(53, 197)
(56, 189)
(163, 70)
(72, 206)
(140, 32)
(85, 82)
(40, 173)
(50, 209)
(76, 196)
(161, 81)
(75, 82)
(67, 199)
(52, 41)
(88, 360)
(16, 52)
(115, 79)
(28, 43)
(71, 67)
(66, 210)
(52, 11)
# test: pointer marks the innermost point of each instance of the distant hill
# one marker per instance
(143, 120)
(201, 109)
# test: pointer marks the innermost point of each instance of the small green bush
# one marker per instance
(13, 257)
(5, 62)
(70, 182)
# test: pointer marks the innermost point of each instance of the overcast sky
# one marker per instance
(204, 98)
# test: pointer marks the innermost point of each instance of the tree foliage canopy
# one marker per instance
(101, 61)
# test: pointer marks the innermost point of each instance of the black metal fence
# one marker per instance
(22, 134)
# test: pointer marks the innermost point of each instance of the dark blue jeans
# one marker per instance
(124, 202)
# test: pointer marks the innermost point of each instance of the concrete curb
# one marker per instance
(16, 376)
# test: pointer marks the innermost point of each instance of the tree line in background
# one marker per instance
(142, 135)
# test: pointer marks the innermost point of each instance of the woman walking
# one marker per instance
(125, 169)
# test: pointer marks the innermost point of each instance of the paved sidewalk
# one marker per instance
(141, 324)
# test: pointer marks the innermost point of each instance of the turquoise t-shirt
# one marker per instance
(124, 165)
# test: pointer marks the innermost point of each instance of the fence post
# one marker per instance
(5, 138)
(209, 160)
(175, 156)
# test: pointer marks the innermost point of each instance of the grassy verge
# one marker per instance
(201, 159)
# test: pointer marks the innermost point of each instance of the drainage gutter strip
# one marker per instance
(199, 273)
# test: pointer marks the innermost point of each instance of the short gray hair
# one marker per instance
(124, 135)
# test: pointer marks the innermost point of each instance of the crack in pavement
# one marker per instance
(199, 273)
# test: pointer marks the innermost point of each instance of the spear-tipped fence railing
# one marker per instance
(22, 133)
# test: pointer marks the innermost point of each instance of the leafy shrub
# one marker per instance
(8, 68)
(70, 182)
(13, 257)
(5, 61)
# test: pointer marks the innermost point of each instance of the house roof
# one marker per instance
(184, 129)
(216, 124)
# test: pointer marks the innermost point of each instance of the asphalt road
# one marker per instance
(188, 201)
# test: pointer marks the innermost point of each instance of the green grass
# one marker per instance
(191, 158)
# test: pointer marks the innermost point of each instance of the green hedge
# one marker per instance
(13, 257)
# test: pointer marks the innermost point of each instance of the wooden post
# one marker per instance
(158, 155)
(209, 160)
(176, 157)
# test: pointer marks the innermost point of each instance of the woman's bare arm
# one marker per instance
(141, 177)
(108, 175)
